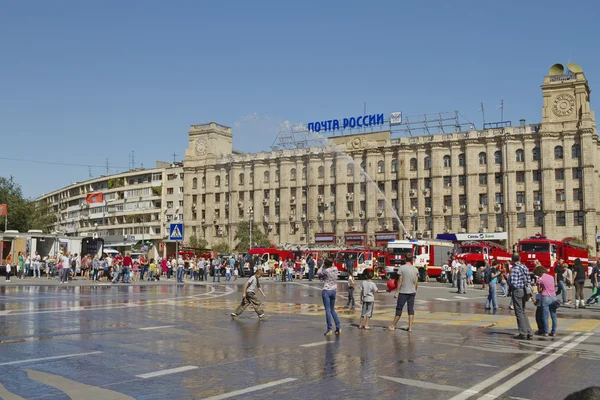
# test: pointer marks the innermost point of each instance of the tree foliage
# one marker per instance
(242, 236)
(221, 247)
(197, 243)
(23, 214)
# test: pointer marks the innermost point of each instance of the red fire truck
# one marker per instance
(395, 254)
(548, 251)
(363, 260)
(477, 253)
(433, 254)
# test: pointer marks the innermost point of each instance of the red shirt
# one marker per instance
(118, 258)
(127, 261)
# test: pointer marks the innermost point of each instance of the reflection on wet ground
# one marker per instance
(177, 341)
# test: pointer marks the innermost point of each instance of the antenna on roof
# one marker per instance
(132, 159)
(174, 157)
(90, 170)
(107, 173)
(483, 113)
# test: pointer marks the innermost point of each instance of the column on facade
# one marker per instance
(473, 189)
(456, 171)
(589, 186)
(548, 165)
(438, 189)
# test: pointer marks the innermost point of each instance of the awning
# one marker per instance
(120, 244)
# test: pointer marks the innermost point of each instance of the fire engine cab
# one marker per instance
(432, 253)
(362, 259)
(395, 255)
(548, 251)
(477, 253)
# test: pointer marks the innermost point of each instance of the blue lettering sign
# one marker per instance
(345, 123)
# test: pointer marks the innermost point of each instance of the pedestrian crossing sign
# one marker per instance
(176, 232)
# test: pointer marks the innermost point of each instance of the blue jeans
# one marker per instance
(217, 274)
(27, 269)
(227, 276)
(562, 289)
(150, 275)
(179, 274)
(503, 286)
(491, 301)
(311, 273)
(549, 307)
(329, 303)
(95, 275)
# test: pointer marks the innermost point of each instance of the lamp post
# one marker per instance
(250, 218)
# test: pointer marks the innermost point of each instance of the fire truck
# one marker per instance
(548, 251)
(432, 253)
(477, 253)
(363, 259)
(395, 255)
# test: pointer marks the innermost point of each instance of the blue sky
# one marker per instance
(83, 81)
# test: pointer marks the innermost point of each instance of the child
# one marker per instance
(277, 273)
(8, 267)
(250, 297)
(153, 269)
(350, 302)
(367, 294)
(227, 273)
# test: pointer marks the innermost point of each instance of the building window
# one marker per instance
(535, 154)
(394, 165)
(251, 178)
(350, 169)
(577, 173)
(447, 161)
(413, 164)
(427, 162)
(217, 181)
(276, 175)
(462, 180)
(463, 222)
(448, 222)
(293, 174)
(482, 158)
(267, 176)
(332, 170)
(560, 195)
(461, 160)
(427, 182)
(169, 190)
(304, 173)
(380, 166)
(428, 202)
(498, 178)
(498, 157)
(520, 155)
(321, 172)
(195, 183)
(520, 176)
(169, 204)
(558, 153)
(483, 221)
(203, 182)
(576, 151)
(226, 179)
(156, 177)
(578, 218)
(447, 181)
(499, 198)
(363, 166)
(448, 201)
(559, 174)
(483, 179)
(483, 199)
(381, 187)
(414, 184)
(462, 200)
(500, 221)
(414, 202)
(537, 195)
(537, 175)
(521, 197)
(217, 197)
(561, 219)
(521, 220)
(180, 189)
(577, 195)
(538, 218)
(241, 179)
(394, 186)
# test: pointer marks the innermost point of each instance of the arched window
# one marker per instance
(427, 162)
(203, 181)
(482, 158)
(195, 183)
(226, 179)
(241, 179)
(217, 181)
(394, 165)
(332, 170)
(267, 175)
(461, 160)
(380, 166)
(536, 153)
(520, 155)
(576, 151)
(350, 169)
(498, 157)
(447, 161)
(251, 178)
(304, 173)
(558, 153)
(321, 172)
(413, 164)
(293, 174)
(276, 175)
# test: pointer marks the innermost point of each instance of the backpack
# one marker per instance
(487, 276)
(74, 264)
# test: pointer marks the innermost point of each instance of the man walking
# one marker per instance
(127, 264)
(406, 290)
(462, 277)
(250, 297)
(492, 279)
(66, 267)
(520, 282)
(36, 265)
(311, 268)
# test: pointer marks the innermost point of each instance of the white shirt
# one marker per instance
(64, 260)
(109, 261)
(180, 261)
(173, 263)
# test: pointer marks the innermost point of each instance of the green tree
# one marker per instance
(242, 236)
(221, 247)
(19, 208)
(198, 243)
(42, 217)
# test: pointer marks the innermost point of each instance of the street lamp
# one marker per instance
(250, 218)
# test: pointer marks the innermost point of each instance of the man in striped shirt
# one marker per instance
(519, 280)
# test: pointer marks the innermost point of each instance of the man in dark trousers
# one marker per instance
(311, 267)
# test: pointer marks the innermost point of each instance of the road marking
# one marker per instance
(167, 372)
(151, 328)
(250, 389)
(76, 390)
(485, 365)
(315, 344)
(49, 358)
(461, 298)
(441, 299)
(422, 384)
(585, 325)
(515, 380)
(507, 371)
(6, 395)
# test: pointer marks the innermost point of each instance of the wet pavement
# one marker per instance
(163, 340)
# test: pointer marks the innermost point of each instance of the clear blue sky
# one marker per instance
(82, 81)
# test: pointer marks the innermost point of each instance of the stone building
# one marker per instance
(522, 180)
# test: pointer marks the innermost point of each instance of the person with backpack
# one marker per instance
(490, 277)
(595, 279)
